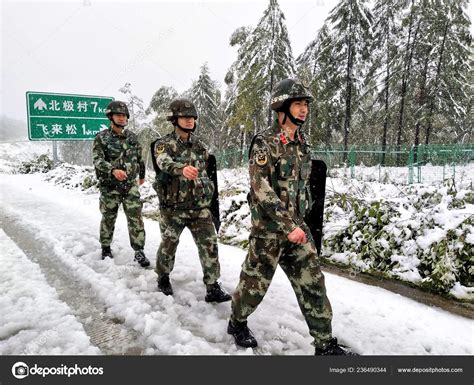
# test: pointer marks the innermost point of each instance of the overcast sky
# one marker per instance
(94, 47)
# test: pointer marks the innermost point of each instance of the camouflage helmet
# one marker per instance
(288, 89)
(182, 108)
(116, 107)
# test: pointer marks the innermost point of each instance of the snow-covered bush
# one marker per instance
(234, 209)
(73, 177)
(42, 163)
(422, 234)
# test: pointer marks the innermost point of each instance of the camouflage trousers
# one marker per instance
(109, 203)
(199, 222)
(301, 266)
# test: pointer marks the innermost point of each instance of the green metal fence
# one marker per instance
(400, 164)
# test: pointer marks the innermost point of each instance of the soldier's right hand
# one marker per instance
(190, 172)
(297, 236)
(119, 174)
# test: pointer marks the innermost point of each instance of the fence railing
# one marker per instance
(407, 164)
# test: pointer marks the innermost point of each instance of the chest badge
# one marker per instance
(283, 138)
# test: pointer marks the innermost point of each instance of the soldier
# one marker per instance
(117, 157)
(279, 198)
(185, 193)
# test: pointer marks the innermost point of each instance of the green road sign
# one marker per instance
(65, 117)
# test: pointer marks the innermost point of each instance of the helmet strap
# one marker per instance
(187, 130)
(295, 121)
(122, 126)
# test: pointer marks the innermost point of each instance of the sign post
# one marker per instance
(53, 116)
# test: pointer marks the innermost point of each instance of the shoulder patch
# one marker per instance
(160, 148)
(261, 158)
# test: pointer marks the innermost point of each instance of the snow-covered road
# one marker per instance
(370, 319)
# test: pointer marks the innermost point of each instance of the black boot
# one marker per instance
(334, 349)
(242, 334)
(106, 252)
(164, 284)
(215, 293)
(141, 259)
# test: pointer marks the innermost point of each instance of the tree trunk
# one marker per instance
(436, 85)
(387, 111)
(348, 98)
(406, 72)
(421, 102)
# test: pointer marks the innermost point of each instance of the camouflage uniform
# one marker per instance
(279, 198)
(113, 151)
(185, 203)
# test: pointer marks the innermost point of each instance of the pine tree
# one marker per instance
(351, 31)
(159, 109)
(450, 90)
(135, 107)
(316, 68)
(206, 96)
(264, 58)
(435, 92)
(383, 71)
(412, 23)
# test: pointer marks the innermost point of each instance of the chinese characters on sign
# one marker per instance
(65, 117)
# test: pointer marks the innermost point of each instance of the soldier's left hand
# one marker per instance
(141, 181)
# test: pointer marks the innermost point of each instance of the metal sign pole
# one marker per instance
(55, 152)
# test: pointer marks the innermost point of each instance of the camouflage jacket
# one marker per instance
(173, 189)
(111, 151)
(279, 195)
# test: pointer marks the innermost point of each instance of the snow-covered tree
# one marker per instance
(316, 68)
(264, 57)
(206, 96)
(449, 89)
(157, 112)
(336, 63)
(135, 107)
(350, 23)
(159, 109)
(382, 77)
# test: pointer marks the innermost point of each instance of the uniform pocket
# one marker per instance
(203, 190)
(306, 170)
(286, 169)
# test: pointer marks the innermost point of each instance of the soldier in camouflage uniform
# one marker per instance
(117, 158)
(185, 192)
(279, 198)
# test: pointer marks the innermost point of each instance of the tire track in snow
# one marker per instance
(105, 332)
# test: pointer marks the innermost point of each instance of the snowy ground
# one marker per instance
(370, 319)
(33, 320)
(11, 154)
